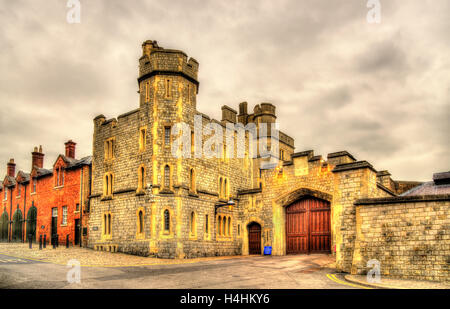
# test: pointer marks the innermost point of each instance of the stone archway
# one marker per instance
(246, 233)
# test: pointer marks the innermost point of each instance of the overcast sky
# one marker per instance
(379, 91)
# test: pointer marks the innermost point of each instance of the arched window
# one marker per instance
(109, 224)
(141, 178)
(108, 185)
(141, 222)
(220, 187)
(224, 228)
(192, 180)
(167, 177)
(192, 223)
(229, 227)
(166, 220)
(105, 222)
(206, 224)
(219, 226)
(225, 188)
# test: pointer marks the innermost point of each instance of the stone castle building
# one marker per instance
(146, 201)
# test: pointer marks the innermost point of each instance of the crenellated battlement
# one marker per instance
(157, 60)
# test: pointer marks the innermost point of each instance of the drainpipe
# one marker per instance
(10, 217)
(81, 208)
(24, 213)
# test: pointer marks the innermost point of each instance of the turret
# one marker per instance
(166, 69)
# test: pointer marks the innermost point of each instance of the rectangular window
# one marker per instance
(77, 207)
(54, 212)
(167, 136)
(18, 190)
(207, 224)
(34, 185)
(6, 193)
(64, 215)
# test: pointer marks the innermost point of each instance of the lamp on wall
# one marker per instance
(230, 204)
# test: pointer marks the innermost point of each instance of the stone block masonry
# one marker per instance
(410, 236)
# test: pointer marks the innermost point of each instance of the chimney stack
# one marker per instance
(70, 149)
(37, 158)
(11, 168)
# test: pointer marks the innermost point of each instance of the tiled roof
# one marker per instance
(428, 188)
(43, 172)
(78, 163)
(25, 176)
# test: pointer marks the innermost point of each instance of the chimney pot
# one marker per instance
(11, 168)
(37, 158)
(70, 149)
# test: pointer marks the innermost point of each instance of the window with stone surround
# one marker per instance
(168, 88)
(142, 138)
(219, 225)
(106, 225)
(147, 92)
(193, 225)
(167, 177)
(108, 182)
(167, 131)
(166, 220)
(207, 224)
(192, 181)
(109, 148)
(34, 185)
(141, 178)
(140, 222)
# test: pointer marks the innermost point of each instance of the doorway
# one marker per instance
(254, 238)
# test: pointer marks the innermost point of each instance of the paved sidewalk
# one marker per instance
(387, 283)
(91, 258)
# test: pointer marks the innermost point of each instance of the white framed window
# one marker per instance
(64, 215)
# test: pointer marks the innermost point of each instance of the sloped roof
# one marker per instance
(10, 180)
(25, 176)
(41, 172)
(78, 163)
(428, 188)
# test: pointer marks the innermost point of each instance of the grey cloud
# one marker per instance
(378, 91)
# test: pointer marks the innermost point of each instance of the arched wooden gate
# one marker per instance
(308, 228)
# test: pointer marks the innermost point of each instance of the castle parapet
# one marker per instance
(157, 60)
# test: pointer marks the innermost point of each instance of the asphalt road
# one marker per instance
(259, 272)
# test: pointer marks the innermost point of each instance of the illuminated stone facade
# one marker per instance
(145, 201)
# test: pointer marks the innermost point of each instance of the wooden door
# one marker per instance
(308, 227)
(77, 231)
(254, 238)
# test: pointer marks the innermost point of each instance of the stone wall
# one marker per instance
(410, 236)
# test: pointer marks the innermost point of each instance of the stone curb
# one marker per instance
(431, 285)
(353, 279)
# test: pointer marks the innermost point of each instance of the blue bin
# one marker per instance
(267, 250)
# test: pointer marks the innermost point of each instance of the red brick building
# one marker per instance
(47, 202)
